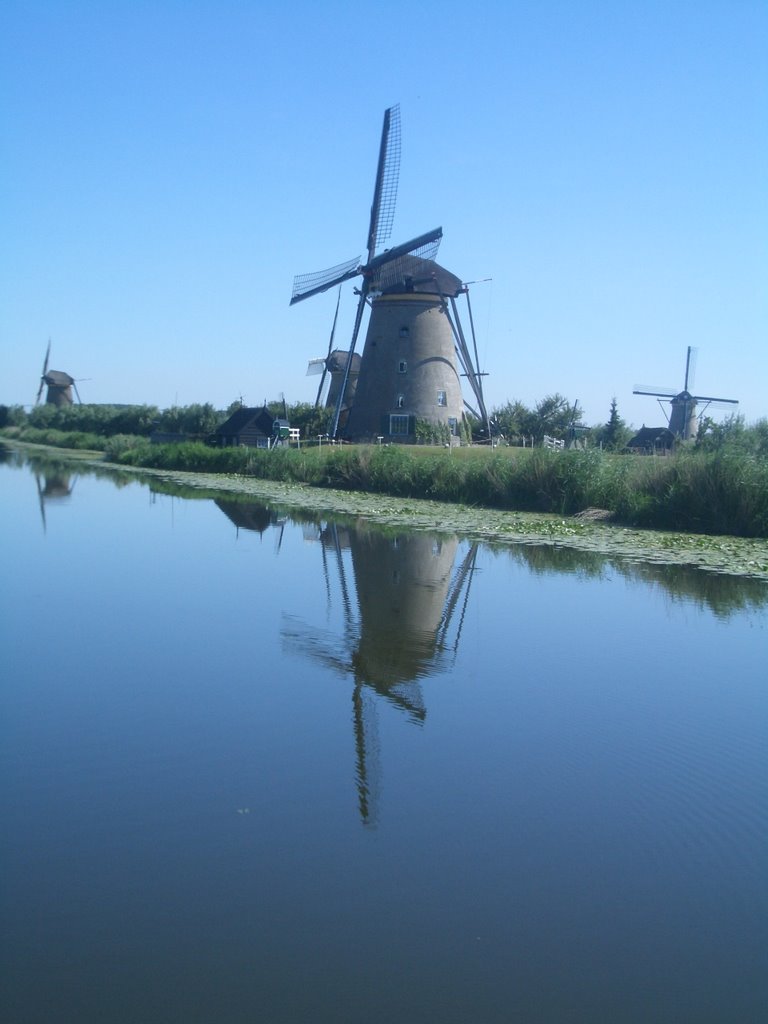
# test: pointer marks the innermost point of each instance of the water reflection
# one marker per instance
(720, 593)
(53, 486)
(252, 516)
(403, 607)
(580, 814)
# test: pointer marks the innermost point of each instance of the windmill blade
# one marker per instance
(41, 500)
(347, 368)
(655, 392)
(330, 349)
(79, 399)
(315, 366)
(385, 189)
(305, 285)
(690, 368)
(42, 375)
(714, 401)
(478, 374)
(474, 377)
(367, 754)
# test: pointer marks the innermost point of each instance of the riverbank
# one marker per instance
(737, 556)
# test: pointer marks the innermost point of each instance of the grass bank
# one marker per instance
(722, 492)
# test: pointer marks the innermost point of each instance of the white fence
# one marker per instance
(552, 442)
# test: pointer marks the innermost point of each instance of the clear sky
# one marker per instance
(168, 166)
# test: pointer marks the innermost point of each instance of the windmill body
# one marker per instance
(683, 419)
(333, 367)
(684, 406)
(58, 383)
(409, 371)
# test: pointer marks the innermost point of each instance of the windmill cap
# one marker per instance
(414, 274)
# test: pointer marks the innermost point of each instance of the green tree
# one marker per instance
(12, 416)
(733, 434)
(509, 420)
(614, 434)
(553, 415)
(310, 421)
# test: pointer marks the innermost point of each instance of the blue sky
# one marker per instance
(168, 167)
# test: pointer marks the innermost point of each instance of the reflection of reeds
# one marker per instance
(722, 594)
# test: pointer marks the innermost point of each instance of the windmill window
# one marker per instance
(453, 425)
(441, 398)
(402, 366)
(400, 401)
(403, 332)
(398, 425)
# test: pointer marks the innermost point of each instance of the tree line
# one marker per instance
(513, 422)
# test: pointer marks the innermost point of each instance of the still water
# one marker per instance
(261, 767)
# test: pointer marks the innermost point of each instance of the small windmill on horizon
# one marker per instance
(59, 385)
(684, 407)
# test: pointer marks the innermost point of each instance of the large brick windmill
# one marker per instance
(415, 350)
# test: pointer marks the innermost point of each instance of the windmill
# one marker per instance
(59, 385)
(334, 364)
(683, 415)
(409, 369)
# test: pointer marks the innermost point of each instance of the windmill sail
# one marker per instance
(387, 176)
(305, 285)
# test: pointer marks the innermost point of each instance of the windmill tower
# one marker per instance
(684, 407)
(59, 385)
(415, 347)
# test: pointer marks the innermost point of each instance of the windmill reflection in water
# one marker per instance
(53, 485)
(403, 602)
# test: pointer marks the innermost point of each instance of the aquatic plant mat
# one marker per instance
(736, 556)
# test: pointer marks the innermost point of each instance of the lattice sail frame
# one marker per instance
(305, 285)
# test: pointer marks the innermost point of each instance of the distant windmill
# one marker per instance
(409, 370)
(683, 415)
(575, 428)
(334, 364)
(59, 385)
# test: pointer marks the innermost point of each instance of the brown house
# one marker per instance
(652, 441)
(251, 427)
